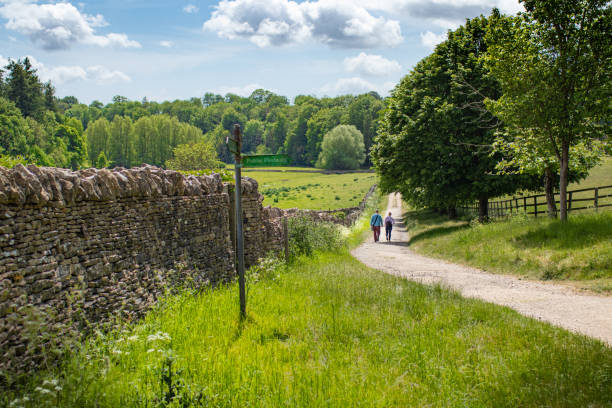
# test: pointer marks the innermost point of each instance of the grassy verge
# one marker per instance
(329, 332)
(579, 251)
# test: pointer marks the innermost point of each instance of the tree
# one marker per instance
(342, 149)
(71, 132)
(523, 153)
(196, 156)
(252, 135)
(295, 144)
(363, 114)
(102, 162)
(98, 136)
(317, 126)
(276, 132)
(14, 129)
(24, 88)
(434, 142)
(554, 64)
(121, 142)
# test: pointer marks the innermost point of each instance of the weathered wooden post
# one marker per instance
(596, 199)
(235, 146)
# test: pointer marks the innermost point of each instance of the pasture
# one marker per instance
(314, 191)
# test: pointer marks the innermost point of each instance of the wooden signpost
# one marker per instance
(234, 144)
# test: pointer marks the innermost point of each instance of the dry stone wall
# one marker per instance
(107, 243)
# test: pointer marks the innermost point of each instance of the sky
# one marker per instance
(178, 49)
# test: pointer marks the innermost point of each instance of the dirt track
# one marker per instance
(587, 314)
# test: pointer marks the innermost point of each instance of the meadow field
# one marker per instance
(314, 191)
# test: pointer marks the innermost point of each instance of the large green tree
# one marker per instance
(342, 149)
(434, 141)
(554, 63)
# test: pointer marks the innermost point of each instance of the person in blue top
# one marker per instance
(376, 222)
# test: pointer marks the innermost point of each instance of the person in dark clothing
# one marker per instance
(389, 221)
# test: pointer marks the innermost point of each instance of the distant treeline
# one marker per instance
(46, 130)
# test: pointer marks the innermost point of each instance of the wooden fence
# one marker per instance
(583, 199)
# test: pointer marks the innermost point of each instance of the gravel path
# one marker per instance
(561, 306)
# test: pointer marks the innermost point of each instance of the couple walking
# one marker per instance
(377, 221)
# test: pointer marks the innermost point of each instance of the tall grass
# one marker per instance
(578, 250)
(329, 332)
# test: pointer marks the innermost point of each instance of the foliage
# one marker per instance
(329, 332)
(12, 161)
(435, 138)
(554, 64)
(196, 156)
(135, 132)
(101, 161)
(307, 236)
(14, 129)
(342, 149)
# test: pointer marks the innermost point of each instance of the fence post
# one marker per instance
(286, 239)
(535, 206)
(569, 202)
(596, 199)
(525, 204)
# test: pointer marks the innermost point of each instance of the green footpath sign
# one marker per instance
(266, 160)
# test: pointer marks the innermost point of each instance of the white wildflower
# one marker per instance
(159, 336)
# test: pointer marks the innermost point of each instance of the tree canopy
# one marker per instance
(342, 149)
(434, 142)
(554, 64)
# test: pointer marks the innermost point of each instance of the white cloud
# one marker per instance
(59, 26)
(62, 74)
(337, 23)
(191, 8)
(167, 44)
(430, 40)
(442, 12)
(374, 65)
(354, 85)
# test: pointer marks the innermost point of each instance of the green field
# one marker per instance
(329, 332)
(315, 191)
(578, 252)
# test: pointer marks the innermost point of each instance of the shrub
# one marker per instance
(307, 236)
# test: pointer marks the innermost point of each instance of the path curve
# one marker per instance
(587, 314)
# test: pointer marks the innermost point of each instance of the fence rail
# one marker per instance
(583, 199)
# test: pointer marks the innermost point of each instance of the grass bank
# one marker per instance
(329, 332)
(578, 252)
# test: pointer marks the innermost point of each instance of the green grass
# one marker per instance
(315, 191)
(329, 332)
(579, 251)
(600, 175)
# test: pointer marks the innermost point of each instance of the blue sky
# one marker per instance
(166, 50)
